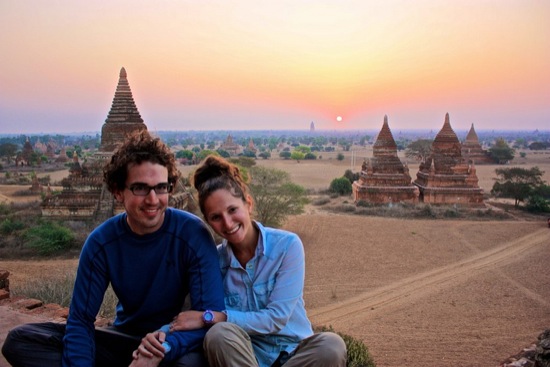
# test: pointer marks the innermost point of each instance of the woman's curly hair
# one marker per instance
(216, 173)
(140, 147)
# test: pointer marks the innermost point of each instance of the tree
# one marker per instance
(264, 155)
(340, 157)
(187, 154)
(285, 155)
(304, 149)
(205, 153)
(419, 149)
(243, 161)
(275, 196)
(501, 152)
(223, 153)
(297, 156)
(538, 145)
(340, 186)
(352, 177)
(8, 150)
(517, 183)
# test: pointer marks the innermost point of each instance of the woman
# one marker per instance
(265, 322)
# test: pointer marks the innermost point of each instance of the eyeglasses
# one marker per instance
(140, 189)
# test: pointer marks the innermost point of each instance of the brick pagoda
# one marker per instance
(445, 178)
(384, 178)
(123, 118)
(472, 151)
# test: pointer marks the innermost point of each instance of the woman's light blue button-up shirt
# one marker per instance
(266, 298)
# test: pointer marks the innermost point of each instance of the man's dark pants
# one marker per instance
(41, 345)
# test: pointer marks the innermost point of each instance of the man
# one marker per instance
(152, 255)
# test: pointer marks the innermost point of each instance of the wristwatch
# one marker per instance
(208, 318)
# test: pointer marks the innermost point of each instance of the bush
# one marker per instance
(537, 204)
(8, 226)
(358, 353)
(341, 186)
(4, 209)
(49, 238)
(321, 201)
(427, 211)
(352, 177)
(244, 161)
(285, 154)
(344, 208)
(340, 157)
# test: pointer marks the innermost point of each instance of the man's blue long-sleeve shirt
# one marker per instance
(151, 275)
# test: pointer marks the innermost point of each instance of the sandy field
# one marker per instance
(417, 292)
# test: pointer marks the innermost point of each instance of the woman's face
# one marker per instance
(229, 216)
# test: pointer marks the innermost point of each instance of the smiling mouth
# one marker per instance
(234, 230)
(150, 211)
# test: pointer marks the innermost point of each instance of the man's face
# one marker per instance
(145, 213)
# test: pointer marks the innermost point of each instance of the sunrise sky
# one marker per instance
(241, 65)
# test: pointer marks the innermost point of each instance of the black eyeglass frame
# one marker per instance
(159, 188)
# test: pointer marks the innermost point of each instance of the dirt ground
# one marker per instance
(417, 292)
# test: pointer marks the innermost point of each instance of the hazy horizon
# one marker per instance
(248, 65)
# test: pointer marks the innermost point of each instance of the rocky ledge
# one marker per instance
(536, 355)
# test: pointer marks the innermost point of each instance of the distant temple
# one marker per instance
(84, 194)
(472, 151)
(384, 178)
(251, 147)
(312, 126)
(445, 178)
(230, 146)
(25, 156)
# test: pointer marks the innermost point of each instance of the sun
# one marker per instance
(338, 118)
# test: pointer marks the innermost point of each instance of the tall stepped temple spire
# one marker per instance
(445, 177)
(123, 118)
(384, 178)
(472, 151)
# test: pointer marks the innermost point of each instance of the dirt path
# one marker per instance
(419, 285)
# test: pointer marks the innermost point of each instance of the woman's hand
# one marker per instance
(187, 320)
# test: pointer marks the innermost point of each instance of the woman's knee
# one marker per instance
(332, 346)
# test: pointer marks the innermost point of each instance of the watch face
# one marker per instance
(208, 317)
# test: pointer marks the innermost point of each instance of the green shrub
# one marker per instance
(452, 213)
(341, 186)
(358, 353)
(344, 208)
(321, 201)
(49, 238)
(352, 177)
(427, 211)
(364, 203)
(4, 209)
(537, 204)
(9, 225)
(340, 157)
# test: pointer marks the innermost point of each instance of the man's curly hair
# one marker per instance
(140, 147)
